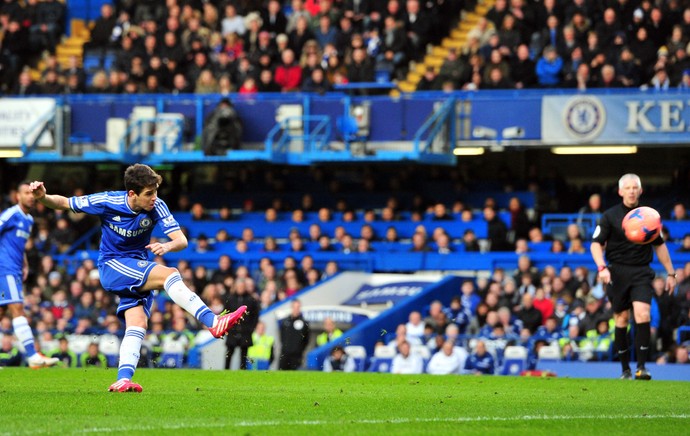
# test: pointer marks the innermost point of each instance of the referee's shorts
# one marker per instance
(629, 283)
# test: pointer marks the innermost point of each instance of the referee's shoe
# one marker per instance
(642, 374)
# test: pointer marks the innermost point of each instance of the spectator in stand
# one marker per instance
(274, 20)
(429, 81)
(298, 37)
(449, 360)
(481, 362)
(627, 68)
(497, 80)
(48, 24)
(232, 22)
(497, 230)
(530, 316)
(26, 86)
(360, 69)
(645, 53)
(93, 358)
(330, 333)
(660, 80)
(288, 75)
(406, 362)
(608, 78)
(523, 69)
(241, 335)
(325, 33)
(339, 361)
(418, 27)
(497, 12)
(549, 68)
(679, 212)
(102, 30)
(316, 82)
(298, 12)
(453, 68)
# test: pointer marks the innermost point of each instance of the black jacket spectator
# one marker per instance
(497, 231)
(361, 69)
(102, 29)
(418, 27)
(274, 20)
(241, 334)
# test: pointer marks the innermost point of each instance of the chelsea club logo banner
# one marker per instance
(615, 119)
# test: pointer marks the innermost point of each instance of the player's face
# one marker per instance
(25, 197)
(630, 192)
(144, 200)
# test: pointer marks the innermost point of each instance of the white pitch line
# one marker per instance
(315, 423)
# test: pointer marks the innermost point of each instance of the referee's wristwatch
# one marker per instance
(600, 268)
(672, 275)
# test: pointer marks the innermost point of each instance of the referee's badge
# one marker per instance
(597, 230)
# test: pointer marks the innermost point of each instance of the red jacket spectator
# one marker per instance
(288, 74)
(544, 305)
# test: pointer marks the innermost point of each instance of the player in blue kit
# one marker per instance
(15, 229)
(127, 220)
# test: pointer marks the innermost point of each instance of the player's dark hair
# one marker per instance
(22, 183)
(140, 176)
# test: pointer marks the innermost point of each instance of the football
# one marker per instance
(642, 225)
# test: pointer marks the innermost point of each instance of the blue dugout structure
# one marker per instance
(369, 332)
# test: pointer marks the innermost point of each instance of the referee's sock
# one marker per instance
(621, 341)
(642, 343)
(188, 300)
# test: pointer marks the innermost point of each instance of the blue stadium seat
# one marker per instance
(171, 360)
(514, 360)
(359, 354)
(380, 364)
(91, 63)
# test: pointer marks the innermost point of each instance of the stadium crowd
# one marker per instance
(254, 46)
(528, 306)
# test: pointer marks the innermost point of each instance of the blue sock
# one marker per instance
(24, 334)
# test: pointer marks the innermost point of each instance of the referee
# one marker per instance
(627, 275)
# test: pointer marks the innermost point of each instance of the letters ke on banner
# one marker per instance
(615, 119)
(18, 115)
(382, 294)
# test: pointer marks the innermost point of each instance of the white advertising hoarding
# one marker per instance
(19, 115)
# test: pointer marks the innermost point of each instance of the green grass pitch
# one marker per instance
(75, 401)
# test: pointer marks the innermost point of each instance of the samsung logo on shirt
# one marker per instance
(126, 233)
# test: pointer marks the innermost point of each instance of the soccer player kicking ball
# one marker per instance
(15, 229)
(127, 220)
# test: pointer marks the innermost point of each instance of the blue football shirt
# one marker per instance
(125, 233)
(15, 229)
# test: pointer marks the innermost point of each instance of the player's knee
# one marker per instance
(171, 270)
(16, 310)
(641, 317)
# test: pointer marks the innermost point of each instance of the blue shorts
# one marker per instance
(11, 289)
(123, 276)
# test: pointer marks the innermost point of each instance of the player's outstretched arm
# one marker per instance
(53, 201)
(178, 241)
